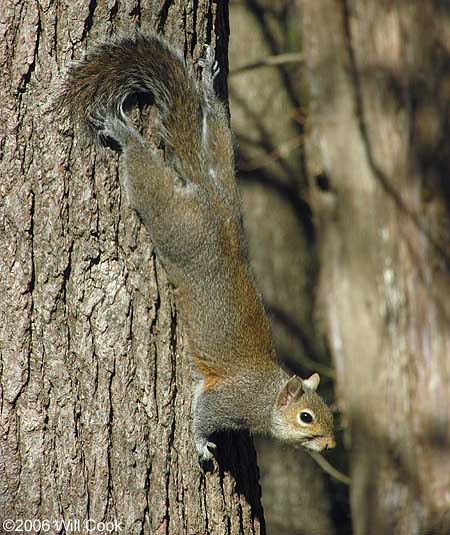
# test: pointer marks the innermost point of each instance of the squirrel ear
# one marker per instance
(313, 381)
(292, 389)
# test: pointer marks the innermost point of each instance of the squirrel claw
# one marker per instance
(209, 55)
(215, 69)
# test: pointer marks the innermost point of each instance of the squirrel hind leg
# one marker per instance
(216, 133)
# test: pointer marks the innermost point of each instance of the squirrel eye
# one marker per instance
(306, 417)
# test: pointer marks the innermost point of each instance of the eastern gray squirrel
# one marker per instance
(189, 202)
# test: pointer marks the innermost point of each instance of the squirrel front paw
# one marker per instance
(204, 448)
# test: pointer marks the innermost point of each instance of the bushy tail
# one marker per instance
(98, 86)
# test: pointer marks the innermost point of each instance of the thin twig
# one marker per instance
(329, 469)
(275, 154)
(316, 366)
(279, 59)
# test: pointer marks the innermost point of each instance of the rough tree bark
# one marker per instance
(266, 115)
(95, 388)
(380, 78)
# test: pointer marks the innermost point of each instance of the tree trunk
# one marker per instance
(266, 116)
(380, 74)
(95, 387)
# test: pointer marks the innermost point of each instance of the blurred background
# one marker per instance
(340, 112)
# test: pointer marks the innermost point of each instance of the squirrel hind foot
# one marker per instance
(208, 62)
(210, 71)
(113, 127)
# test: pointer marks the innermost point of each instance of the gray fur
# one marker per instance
(189, 202)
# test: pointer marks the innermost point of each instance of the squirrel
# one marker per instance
(189, 202)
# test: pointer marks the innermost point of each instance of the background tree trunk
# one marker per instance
(95, 388)
(380, 79)
(267, 116)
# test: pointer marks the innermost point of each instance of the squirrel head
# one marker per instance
(301, 417)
